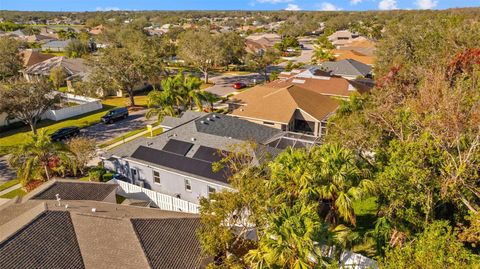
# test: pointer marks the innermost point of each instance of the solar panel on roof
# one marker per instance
(177, 147)
(208, 154)
(180, 163)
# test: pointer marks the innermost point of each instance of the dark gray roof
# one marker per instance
(49, 241)
(347, 67)
(56, 44)
(170, 243)
(77, 191)
(228, 126)
(179, 162)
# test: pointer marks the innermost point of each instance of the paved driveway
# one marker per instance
(306, 54)
(223, 84)
(6, 173)
(104, 132)
(100, 132)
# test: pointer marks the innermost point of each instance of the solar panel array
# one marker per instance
(178, 147)
(179, 162)
(208, 154)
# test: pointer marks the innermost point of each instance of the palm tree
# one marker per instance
(160, 104)
(210, 98)
(340, 181)
(36, 158)
(292, 240)
(193, 95)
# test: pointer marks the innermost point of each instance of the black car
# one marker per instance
(64, 133)
(115, 114)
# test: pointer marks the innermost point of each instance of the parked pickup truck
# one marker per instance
(115, 114)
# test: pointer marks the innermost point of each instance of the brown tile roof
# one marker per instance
(49, 241)
(170, 243)
(31, 57)
(342, 54)
(279, 103)
(325, 85)
(77, 191)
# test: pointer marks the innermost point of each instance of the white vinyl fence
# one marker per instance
(163, 201)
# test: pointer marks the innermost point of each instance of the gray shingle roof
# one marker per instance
(347, 67)
(170, 243)
(49, 241)
(76, 191)
(228, 126)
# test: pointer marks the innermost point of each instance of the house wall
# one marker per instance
(170, 183)
(300, 115)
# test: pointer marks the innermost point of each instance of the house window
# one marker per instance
(323, 128)
(156, 177)
(188, 185)
(211, 190)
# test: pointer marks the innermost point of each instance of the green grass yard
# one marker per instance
(14, 193)
(14, 137)
(9, 184)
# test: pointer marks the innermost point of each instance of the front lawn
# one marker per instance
(9, 184)
(14, 193)
(16, 136)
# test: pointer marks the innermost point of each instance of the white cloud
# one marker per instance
(387, 4)
(325, 6)
(107, 9)
(274, 1)
(293, 7)
(426, 4)
(354, 2)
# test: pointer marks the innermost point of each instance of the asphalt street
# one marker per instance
(100, 132)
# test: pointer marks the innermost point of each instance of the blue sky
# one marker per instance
(96, 5)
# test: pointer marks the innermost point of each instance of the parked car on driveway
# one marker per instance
(64, 133)
(115, 114)
(239, 85)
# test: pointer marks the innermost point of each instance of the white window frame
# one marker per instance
(159, 178)
(187, 180)
(211, 188)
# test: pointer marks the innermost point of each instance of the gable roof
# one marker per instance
(71, 66)
(76, 191)
(317, 81)
(31, 57)
(56, 44)
(342, 54)
(48, 241)
(278, 104)
(77, 237)
(347, 67)
(170, 243)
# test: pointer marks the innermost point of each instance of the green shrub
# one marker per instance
(96, 173)
(107, 177)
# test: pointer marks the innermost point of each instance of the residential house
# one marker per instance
(57, 45)
(342, 37)
(31, 57)
(179, 161)
(300, 101)
(38, 38)
(97, 30)
(348, 68)
(74, 224)
(362, 45)
(72, 67)
(341, 54)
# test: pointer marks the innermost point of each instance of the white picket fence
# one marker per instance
(163, 201)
